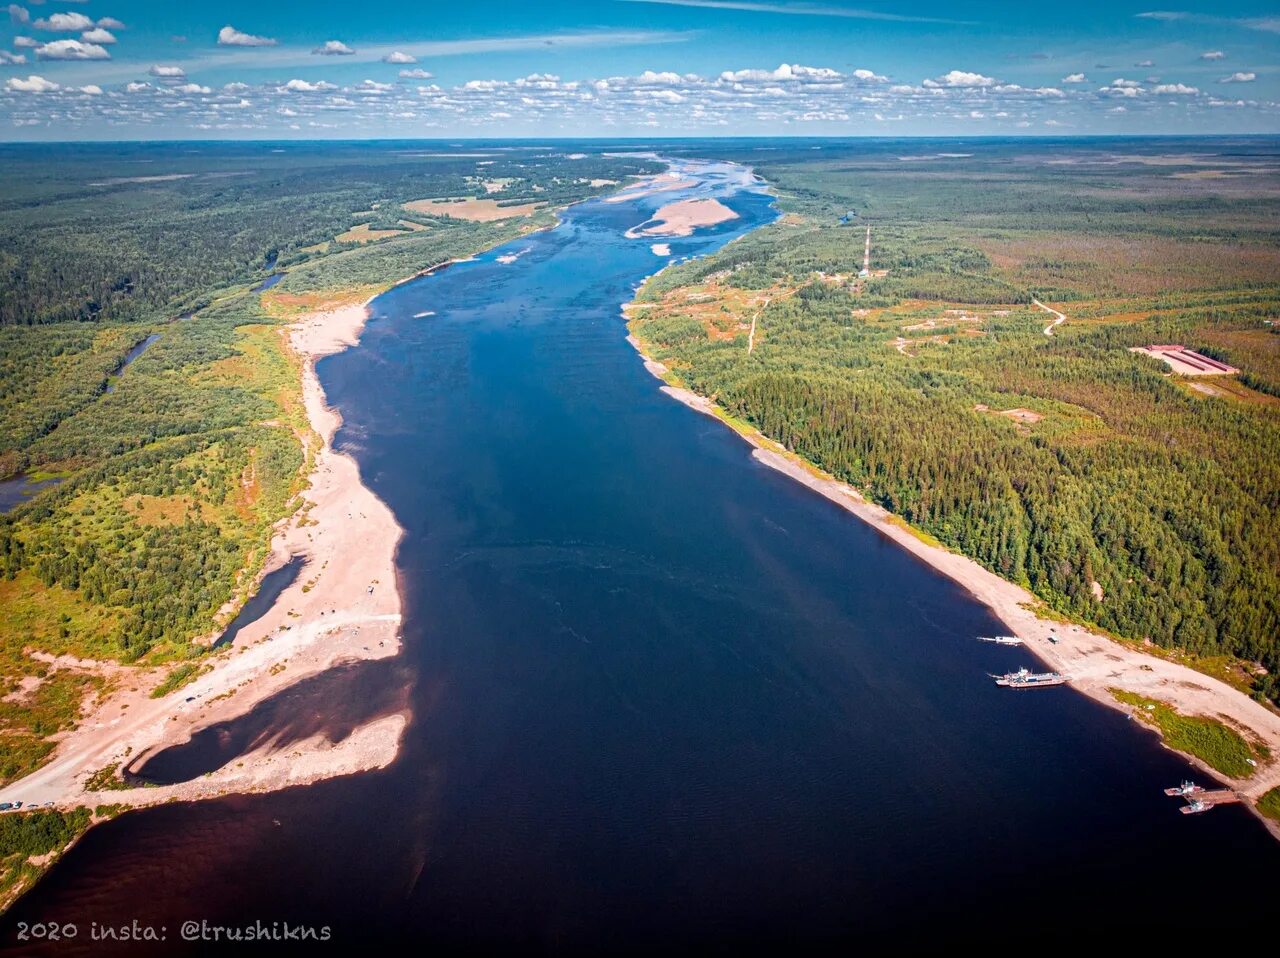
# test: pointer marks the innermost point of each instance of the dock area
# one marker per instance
(1026, 679)
(1200, 799)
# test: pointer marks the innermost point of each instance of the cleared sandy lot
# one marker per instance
(476, 211)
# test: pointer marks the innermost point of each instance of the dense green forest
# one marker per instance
(1124, 496)
(141, 368)
(141, 231)
(38, 834)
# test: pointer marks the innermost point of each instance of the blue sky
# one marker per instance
(133, 69)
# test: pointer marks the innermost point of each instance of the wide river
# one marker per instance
(663, 698)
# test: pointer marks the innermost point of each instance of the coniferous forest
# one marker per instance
(1124, 495)
(146, 384)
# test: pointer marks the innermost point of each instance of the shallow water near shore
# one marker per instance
(21, 488)
(269, 589)
(662, 695)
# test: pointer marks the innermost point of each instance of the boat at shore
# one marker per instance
(1026, 679)
(1000, 639)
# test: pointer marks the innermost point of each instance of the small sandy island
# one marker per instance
(683, 217)
(1091, 662)
(647, 186)
(343, 607)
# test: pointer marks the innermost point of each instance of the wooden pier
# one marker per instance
(1200, 799)
(1220, 796)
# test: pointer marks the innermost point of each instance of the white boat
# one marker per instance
(1001, 639)
(1026, 679)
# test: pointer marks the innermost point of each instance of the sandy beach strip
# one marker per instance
(343, 607)
(1092, 663)
(683, 217)
(662, 183)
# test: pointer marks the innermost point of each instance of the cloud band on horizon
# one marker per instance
(802, 8)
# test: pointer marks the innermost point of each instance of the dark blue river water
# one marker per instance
(664, 699)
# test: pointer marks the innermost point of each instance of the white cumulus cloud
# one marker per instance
(398, 57)
(64, 23)
(19, 14)
(72, 50)
(1213, 55)
(1122, 87)
(688, 103)
(12, 59)
(333, 48)
(305, 86)
(960, 78)
(98, 35)
(1075, 78)
(665, 76)
(1239, 78)
(784, 72)
(229, 36)
(32, 84)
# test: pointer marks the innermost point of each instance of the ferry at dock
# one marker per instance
(1026, 679)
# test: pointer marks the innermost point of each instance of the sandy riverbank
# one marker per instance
(661, 183)
(343, 607)
(1093, 663)
(683, 217)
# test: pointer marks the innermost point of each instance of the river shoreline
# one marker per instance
(344, 607)
(631, 659)
(1091, 662)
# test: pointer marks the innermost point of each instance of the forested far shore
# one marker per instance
(1124, 495)
(141, 232)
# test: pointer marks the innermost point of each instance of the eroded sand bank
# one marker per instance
(344, 607)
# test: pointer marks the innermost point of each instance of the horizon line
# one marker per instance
(662, 139)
